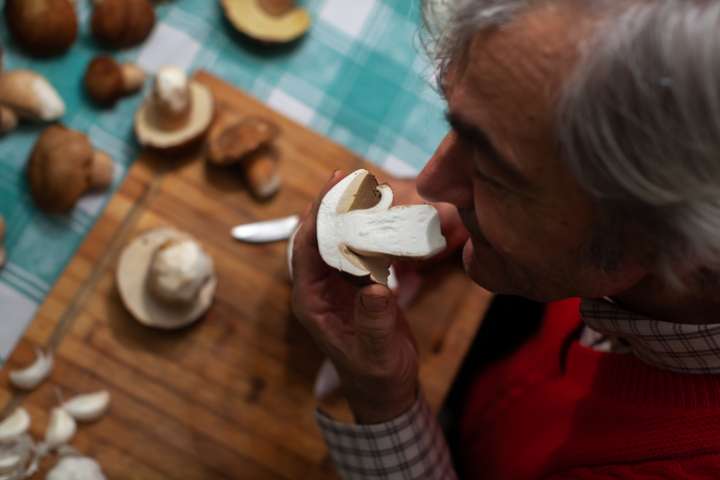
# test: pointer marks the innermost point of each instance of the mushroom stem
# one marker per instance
(102, 171)
(171, 101)
(262, 174)
(133, 77)
(277, 8)
(8, 120)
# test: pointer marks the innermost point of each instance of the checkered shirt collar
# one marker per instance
(676, 347)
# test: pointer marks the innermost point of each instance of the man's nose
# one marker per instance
(446, 177)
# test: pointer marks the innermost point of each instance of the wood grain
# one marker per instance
(230, 397)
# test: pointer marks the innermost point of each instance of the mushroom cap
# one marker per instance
(233, 137)
(30, 95)
(104, 80)
(248, 17)
(42, 27)
(122, 23)
(133, 284)
(151, 134)
(60, 168)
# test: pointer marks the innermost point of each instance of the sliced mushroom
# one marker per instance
(63, 166)
(106, 81)
(270, 21)
(165, 279)
(30, 96)
(122, 23)
(177, 112)
(360, 233)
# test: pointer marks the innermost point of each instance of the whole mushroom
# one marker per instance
(63, 166)
(106, 80)
(165, 279)
(26, 94)
(177, 112)
(42, 27)
(122, 23)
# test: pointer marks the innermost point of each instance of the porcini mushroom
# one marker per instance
(122, 23)
(63, 166)
(165, 279)
(270, 21)
(176, 113)
(358, 231)
(42, 27)
(30, 96)
(247, 141)
(106, 80)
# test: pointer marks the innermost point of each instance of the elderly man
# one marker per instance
(584, 161)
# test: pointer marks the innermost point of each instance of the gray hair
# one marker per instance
(638, 122)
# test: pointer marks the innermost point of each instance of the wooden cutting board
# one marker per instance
(230, 397)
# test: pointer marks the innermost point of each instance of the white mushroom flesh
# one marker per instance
(171, 89)
(179, 270)
(33, 375)
(363, 241)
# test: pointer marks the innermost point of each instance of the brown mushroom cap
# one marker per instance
(43, 27)
(265, 22)
(233, 137)
(122, 23)
(62, 168)
(104, 80)
(132, 281)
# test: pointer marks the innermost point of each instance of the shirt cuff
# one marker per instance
(410, 446)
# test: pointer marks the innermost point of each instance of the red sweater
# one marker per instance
(605, 416)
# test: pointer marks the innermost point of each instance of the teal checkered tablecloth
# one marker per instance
(359, 77)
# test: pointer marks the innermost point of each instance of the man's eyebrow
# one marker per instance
(479, 138)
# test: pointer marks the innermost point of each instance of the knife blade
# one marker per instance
(266, 231)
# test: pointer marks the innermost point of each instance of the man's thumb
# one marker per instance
(375, 317)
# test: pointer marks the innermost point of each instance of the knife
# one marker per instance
(267, 231)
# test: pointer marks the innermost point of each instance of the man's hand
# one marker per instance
(358, 326)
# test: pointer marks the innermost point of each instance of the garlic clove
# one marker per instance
(76, 468)
(10, 463)
(61, 428)
(33, 375)
(14, 425)
(89, 407)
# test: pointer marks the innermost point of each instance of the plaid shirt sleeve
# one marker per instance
(408, 447)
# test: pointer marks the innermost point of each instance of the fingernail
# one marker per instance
(374, 303)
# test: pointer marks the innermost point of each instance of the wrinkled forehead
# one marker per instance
(522, 64)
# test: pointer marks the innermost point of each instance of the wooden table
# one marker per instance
(230, 397)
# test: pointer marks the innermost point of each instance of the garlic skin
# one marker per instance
(15, 458)
(89, 407)
(61, 428)
(178, 271)
(76, 468)
(14, 425)
(30, 377)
